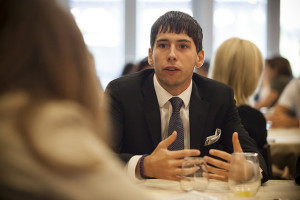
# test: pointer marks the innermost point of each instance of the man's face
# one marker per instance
(174, 57)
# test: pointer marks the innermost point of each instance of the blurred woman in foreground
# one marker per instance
(52, 120)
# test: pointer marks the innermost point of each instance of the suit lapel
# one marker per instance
(151, 110)
(199, 109)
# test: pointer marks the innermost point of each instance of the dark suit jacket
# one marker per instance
(255, 124)
(135, 116)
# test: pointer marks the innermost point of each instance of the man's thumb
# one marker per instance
(236, 143)
(169, 140)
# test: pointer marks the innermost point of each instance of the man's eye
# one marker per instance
(162, 45)
(183, 46)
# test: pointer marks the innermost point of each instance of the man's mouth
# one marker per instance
(171, 69)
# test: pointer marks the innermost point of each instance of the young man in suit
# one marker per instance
(141, 109)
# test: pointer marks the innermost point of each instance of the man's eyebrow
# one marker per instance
(162, 40)
(183, 40)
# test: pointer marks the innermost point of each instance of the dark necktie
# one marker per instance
(175, 124)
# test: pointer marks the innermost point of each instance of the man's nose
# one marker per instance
(172, 54)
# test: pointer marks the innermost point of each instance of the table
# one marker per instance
(284, 147)
(217, 190)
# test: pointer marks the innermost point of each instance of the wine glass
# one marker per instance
(244, 174)
(194, 174)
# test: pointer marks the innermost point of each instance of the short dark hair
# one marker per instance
(177, 22)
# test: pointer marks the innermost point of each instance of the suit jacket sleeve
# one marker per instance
(134, 115)
(116, 120)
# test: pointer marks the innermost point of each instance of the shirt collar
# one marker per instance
(163, 96)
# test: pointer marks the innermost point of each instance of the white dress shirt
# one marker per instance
(165, 108)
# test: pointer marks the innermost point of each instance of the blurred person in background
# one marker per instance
(286, 114)
(287, 110)
(131, 68)
(239, 64)
(277, 75)
(141, 65)
(203, 70)
(127, 69)
(52, 119)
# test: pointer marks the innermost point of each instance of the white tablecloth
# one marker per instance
(170, 190)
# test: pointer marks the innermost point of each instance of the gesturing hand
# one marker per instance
(164, 164)
(220, 172)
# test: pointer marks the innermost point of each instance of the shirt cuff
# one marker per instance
(130, 169)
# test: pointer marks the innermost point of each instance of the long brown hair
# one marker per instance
(43, 53)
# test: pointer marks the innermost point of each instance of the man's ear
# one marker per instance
(200, 58)
(150, 57)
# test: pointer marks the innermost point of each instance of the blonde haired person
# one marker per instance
(239, 64)
(51, 115)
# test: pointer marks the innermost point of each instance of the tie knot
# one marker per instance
(176, 103)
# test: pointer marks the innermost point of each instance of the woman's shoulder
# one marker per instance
(63, 133)
(63, 112)
(250, 112)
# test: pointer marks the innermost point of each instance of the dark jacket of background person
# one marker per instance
(52, 119)
(135, 116)
(254, 122)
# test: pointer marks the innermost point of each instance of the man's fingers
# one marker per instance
(220, 172)
(174, 174)
(218, 163)
(236, 143)
(221, 154)
(185, 153)
(169, 140)
(175, 163)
